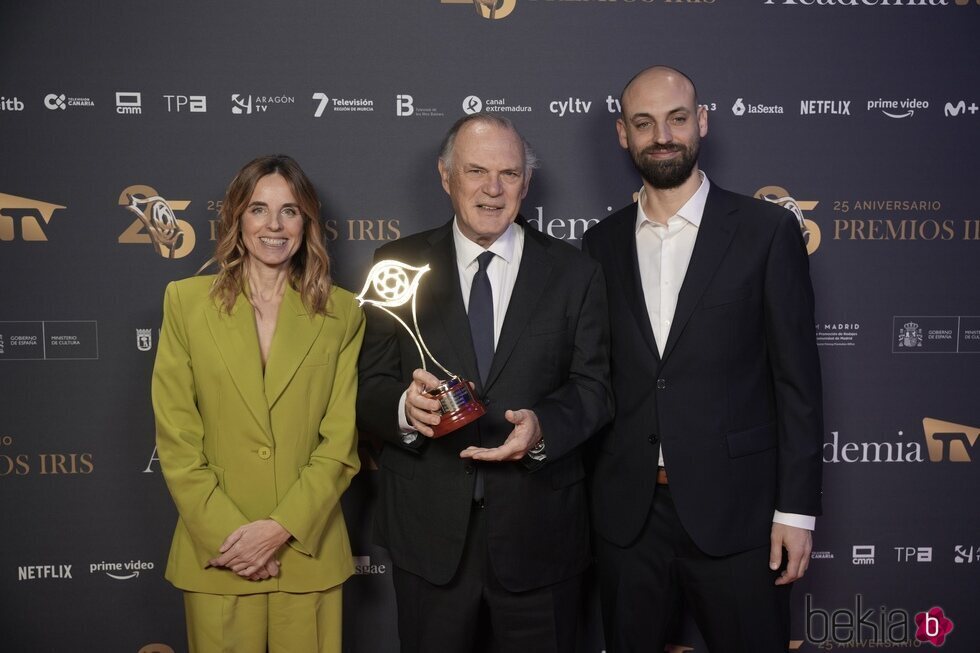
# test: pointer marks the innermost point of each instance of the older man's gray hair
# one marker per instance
(449, 142)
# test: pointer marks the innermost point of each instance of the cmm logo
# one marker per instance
(489, 9)
(947, 441)
(779, 195)
(19, 215)
(129, 103)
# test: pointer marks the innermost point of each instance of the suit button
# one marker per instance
(661, 384)
(652, 439)
(486, 402)
(265, 453)
(468, 468)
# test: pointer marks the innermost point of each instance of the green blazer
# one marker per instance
(236, 445)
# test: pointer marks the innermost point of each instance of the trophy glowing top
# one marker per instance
(392, 284)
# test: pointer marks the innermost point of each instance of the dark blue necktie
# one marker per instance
(480, 313)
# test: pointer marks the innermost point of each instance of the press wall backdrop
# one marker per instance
(861, 116)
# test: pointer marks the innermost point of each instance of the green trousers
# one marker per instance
(274, 622)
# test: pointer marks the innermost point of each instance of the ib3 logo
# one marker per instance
(156, 222)
(489, 9)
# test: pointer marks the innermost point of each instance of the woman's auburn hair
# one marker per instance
(309, 268)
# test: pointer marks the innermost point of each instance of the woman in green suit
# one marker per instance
(253, 392)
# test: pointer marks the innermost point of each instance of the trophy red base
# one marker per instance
(458, 405)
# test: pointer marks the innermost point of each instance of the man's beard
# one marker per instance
(668, 173)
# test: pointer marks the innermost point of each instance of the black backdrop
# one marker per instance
(863, 113)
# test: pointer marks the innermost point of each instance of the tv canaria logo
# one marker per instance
(489, 9)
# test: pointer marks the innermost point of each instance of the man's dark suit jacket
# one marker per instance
(735, 400)
(551, 357)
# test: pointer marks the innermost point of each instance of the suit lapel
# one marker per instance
(237, 341)
(532, 278)
(714, 236)
(294, 336)
(440, 306)
(629, 272)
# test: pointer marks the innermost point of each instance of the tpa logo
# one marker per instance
(191, 103)
(913, 553)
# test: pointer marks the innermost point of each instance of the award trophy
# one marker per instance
(392, 287)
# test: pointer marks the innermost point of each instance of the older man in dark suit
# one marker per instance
(488, 526)
(707, 483)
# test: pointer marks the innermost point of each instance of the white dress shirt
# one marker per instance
(502, 273)
(663, 253)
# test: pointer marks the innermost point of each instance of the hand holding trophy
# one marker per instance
(390, 286)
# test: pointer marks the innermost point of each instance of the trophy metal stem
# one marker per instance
(421, 343)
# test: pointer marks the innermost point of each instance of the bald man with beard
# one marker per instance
(708, 480)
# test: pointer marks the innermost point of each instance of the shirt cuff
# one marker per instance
(403, 426)
(793, 519)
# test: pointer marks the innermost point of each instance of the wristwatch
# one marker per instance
(410, 438)
(537, 453)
